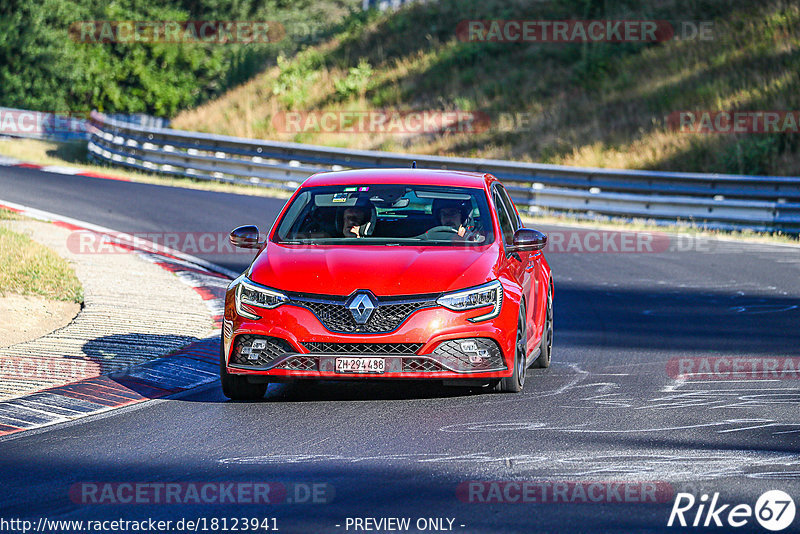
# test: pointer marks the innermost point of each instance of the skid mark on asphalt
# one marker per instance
(676, 395)
(721, 427)
(781, 475)
(574, 376)
(472, 457)
(698, 465)
(682, 393)
(725, 398)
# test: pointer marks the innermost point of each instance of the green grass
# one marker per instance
(28, 268)
(54, 68)
(8, 215)
(576, 104)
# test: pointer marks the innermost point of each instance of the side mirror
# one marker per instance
(245, 237)
(527, 239)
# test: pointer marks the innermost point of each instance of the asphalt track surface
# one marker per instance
(608, 410)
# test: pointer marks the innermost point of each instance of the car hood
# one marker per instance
(384, 270)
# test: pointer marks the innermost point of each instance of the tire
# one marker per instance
(515, 382)
(236, 387)
(546, 344)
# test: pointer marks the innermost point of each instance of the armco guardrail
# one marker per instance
(761, 203)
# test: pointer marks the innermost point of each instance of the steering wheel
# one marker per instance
(439, 229)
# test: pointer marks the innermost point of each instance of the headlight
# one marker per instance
(257, 296)
(476, 297)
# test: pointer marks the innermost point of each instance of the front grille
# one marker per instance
(258, 351)
(420, 365)
(387, 315)
(472, 354)
(383, 349)
(300, 363)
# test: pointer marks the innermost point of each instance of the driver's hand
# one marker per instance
(472, 234)
(461, 231)
(355, 230)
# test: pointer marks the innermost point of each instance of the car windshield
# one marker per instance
(387, 215)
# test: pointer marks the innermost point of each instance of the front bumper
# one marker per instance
(432, 343)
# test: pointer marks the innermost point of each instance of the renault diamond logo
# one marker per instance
(361, 307)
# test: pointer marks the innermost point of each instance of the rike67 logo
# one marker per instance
(774, 510)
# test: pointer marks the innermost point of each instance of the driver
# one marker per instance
(452, 213)
(353, 219)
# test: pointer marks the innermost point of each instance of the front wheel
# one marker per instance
(237, 387)
(515, 382)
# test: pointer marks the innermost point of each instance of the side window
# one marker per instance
(512, 213)
(506, 226)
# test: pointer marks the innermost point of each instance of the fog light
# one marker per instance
(479, 356)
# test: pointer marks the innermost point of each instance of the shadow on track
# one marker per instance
(697, 323)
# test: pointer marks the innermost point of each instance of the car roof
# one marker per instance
(400, 176)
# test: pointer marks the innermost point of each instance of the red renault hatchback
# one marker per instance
(390, 274)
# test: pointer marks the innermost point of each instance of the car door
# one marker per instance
(517, 267)
(531, 262)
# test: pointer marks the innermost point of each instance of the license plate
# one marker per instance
(360, 365)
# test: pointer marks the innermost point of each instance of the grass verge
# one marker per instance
(28, 268)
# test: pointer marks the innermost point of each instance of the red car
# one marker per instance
(390, 274)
